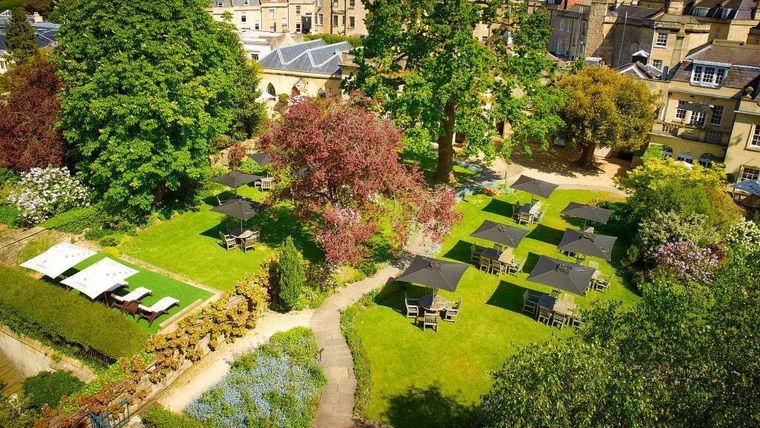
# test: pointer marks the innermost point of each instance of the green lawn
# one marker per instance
(189, 243)
(429, 379)
(160, 285)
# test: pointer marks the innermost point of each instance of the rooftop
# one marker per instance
(44, 31)
(314, 56)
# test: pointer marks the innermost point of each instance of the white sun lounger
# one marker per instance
(157, 309)
(132, 296)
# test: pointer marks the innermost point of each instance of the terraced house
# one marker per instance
(709, 108)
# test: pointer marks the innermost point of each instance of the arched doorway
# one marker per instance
(270, 90)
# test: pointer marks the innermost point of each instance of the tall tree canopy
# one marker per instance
(29, 131)
(147, 85)
(606, 109)
(19, 37)
(340, 167)
(685, 356)
(438, 80)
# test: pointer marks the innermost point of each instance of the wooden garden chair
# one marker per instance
(228, 241)
(430, 320)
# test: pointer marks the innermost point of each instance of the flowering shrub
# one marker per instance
(44, 192)
(276, 385)
(744, 237)
(686, 261)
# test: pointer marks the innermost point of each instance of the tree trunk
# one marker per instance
(444, 170)
(587, 156)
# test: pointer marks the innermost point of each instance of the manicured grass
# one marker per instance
(160, 285)
(189, 243)
(430, 379)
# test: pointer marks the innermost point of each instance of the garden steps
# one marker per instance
(336, 405)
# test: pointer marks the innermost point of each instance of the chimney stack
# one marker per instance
(674, 7)
(36, 17)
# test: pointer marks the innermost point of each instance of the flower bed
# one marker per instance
(276, 385)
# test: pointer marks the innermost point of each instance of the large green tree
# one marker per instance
(146, 86)
(606, 109)
(19, 37)
(438, 80)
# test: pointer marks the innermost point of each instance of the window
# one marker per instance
(284, 22)
(256, 25)
(320, 19)
(657, 63)
(717, 115)
(754, 142)
(243, 18)
(662, 40)
(271, 13)
(725, 13)
(562, 24)
(701, 11)
(667, 152)
(298, 9)
(703, 75)
(298, 27)
(335, 20)
(697, 118)
(749, 174)
(319, 3)
(484, 38)
(685, 157)
(352, 4)
(335, 3)
(219, 3)
(705, 160)
(351, 22)
(272, 28)
(255, 56)
(680, 110)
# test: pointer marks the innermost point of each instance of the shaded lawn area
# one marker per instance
(427, 164)
(431, 379)
(189, 243)
(160, 285)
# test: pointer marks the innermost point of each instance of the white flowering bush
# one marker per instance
(744, 237)
(44, 192)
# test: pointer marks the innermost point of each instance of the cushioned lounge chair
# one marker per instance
(133, 296)
(157, 309)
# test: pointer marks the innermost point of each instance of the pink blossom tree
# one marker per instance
(339, 165)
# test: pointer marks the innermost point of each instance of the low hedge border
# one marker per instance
(362, 370)
(51, 314)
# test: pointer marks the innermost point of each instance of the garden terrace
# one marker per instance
(420, 378)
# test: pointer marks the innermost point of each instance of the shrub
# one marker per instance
(48, 388)
(78, 220)
(354, 41)
(158, 417)
(744, 237)
(290, 274)
(44, 192)
(686, 262)
(14, 411)
(663, 227)
(8, 176)
(52, 314)
(362, 370)
(8, 215)
(276, 385)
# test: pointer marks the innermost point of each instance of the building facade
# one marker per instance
(709, 108)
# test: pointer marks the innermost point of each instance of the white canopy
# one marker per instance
(58, 259)
(105, 275)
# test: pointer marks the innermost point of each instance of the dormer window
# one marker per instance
(726, 13)
(708, 75)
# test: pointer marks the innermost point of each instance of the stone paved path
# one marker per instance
(337, 402)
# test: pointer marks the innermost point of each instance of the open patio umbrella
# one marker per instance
(234, 179)
(240, 208)
(750, 186)
(561, 274)
(261, 158)
(105, 275)
(587, 212)
(58, 259)
(534, 186)
(434, 273)
(500, 233)
(590, 244)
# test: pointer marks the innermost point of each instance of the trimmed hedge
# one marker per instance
(8, 215)
(330, 39)
(52, 314)
(158, 417)
(48, 388)
(77, 220)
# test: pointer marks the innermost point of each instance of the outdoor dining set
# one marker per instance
(556, 308)
(242, 208)
(103, 278)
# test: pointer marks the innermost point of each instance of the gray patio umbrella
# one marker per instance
(587, 212)
(240, 208)
(561, 274)
(234, 179)
(534, 186)
(750, 186)
(434, 273)
(587, 243)
(261, 158)
(500, 233)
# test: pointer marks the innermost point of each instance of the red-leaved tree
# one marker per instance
(339, 164)
(29, 132)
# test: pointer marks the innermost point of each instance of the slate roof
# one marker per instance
(634, 12)
(234, 3)
(45, 32)
(744, 60)
(314, 56)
